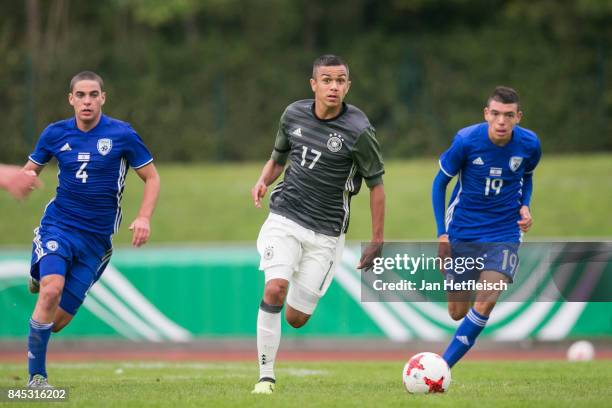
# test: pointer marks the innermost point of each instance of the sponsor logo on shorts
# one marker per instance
(268, 253)
(52, 245)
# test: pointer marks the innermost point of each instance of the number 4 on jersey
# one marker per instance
(81, 173)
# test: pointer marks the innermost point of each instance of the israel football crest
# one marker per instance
(105, 146)
(515, 162)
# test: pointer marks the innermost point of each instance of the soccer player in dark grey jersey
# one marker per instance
(331, 147)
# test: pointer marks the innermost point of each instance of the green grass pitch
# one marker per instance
(322, 384)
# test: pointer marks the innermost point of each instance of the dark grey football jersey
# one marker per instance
(327, 161)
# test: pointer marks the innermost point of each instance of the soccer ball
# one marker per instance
(581, 351)
(426, 373)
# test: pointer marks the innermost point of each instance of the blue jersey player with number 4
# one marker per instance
(488, 211)
(72, 246)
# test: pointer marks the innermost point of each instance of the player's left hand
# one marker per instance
(526, 221)
(141, 230)
(373, 250)
(258, 192)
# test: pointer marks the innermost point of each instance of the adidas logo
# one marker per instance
(478, 161)
(31, 356)
(65, 148)
(263, 359)
(297, 132)
(463, 339)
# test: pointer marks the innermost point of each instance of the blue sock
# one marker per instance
(37, 347)
(465, 336)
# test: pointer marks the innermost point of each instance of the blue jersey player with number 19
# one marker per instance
(72, 246)
(488, 211)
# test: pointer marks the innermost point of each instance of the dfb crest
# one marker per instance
(334, 143)
(105, 146)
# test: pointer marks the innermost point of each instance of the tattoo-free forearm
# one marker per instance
(377, 209)
(149, 196)
(271, 171)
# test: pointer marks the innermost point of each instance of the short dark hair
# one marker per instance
(504, 94)
(328, 60)
(86, 76)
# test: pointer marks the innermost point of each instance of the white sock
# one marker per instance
(268, 340)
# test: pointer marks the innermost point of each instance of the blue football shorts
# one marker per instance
(471, 258)
(85, 254)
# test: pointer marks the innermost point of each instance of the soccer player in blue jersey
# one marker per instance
(488, 210)
(72, 245)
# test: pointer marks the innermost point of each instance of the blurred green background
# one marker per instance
(205, 81)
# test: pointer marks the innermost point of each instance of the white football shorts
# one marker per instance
(309, 258)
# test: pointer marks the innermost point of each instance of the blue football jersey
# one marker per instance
(92, 170)
(487, 198)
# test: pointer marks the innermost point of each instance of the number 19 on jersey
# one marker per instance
(494, 184)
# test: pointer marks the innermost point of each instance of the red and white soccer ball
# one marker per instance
(581, 351)
(426, 373)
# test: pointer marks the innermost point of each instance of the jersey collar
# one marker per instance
(342, 112)
(103, 121)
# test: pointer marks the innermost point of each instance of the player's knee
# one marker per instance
(297, 321)
(275, 294)
(295, 317)
(296, 324)
(57, 327)
(50, 295)
(457, 313)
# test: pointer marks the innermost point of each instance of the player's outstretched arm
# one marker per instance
(271, 171)
(17, 181)
(141, 227)
(377, 211)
